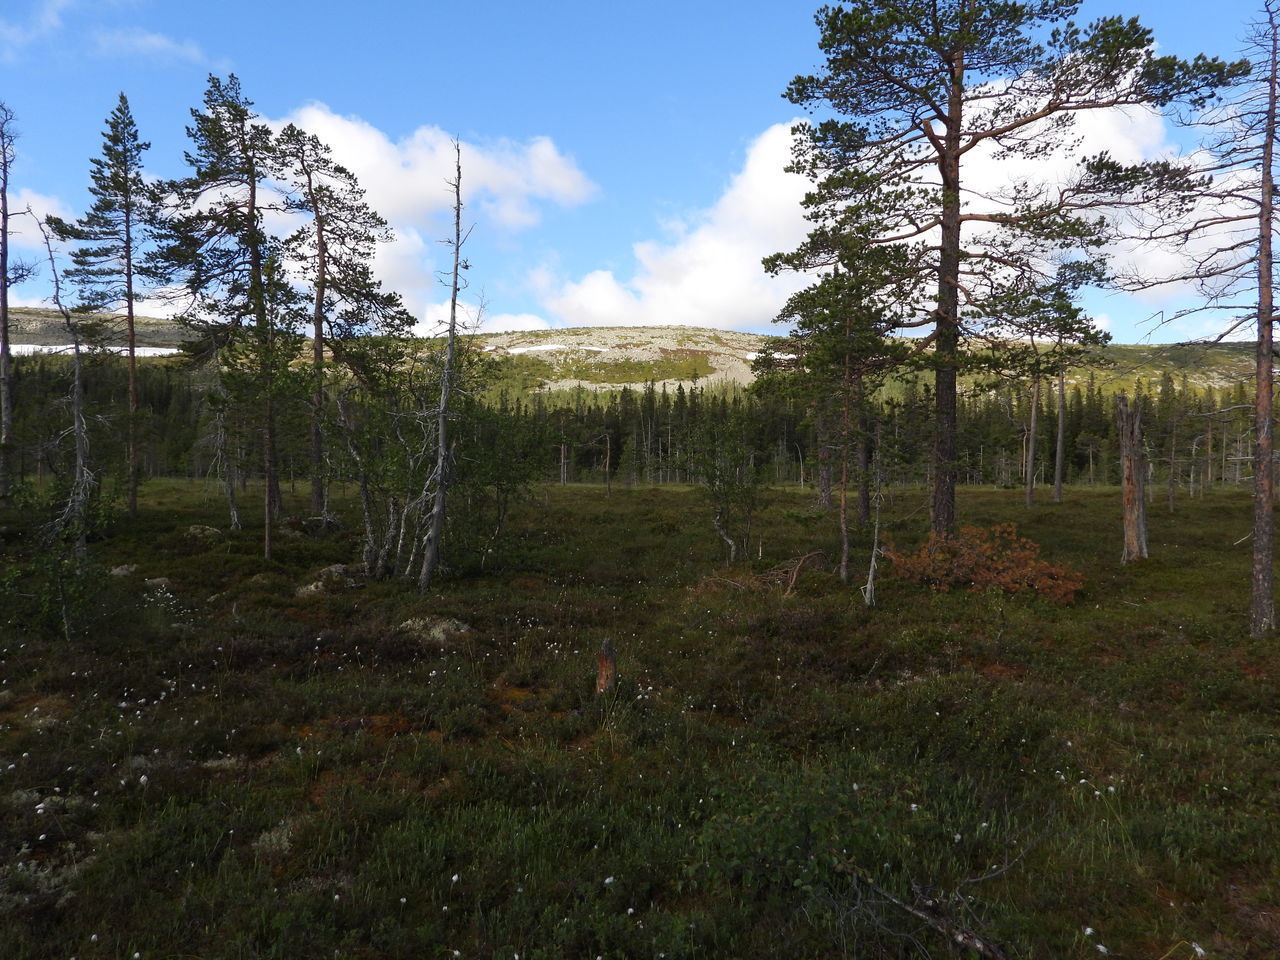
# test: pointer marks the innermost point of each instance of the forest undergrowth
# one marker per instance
(215, 756)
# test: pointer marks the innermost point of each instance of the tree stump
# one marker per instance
(606, 668)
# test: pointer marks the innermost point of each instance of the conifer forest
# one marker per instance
(945, 627)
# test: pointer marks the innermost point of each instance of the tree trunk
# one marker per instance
(947, 324)
(1033, 424)
(1060, 444)
(431, 546)
(1261, 591)
(131, 434)
(824, 460)
(6, 360)
(1129, 424)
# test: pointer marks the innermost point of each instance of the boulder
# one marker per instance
(199, 533)
(124, 570)
(436, 631)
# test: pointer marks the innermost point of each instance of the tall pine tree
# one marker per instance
(115, 231)
(216, 245)
(334, 251)
(915, 90)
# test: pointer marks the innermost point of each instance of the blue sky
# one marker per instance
(623, 161)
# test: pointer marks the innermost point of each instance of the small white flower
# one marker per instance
(1088, 931)
(1198, 949)
(1100, 948)
(454, 879)
(608, 880)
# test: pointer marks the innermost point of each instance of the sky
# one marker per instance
(622, 163)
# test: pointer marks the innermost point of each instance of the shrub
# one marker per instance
(985, 558)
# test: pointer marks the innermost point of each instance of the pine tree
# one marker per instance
(115, 232)
(216, 245)
(914, 87)
(335, 250)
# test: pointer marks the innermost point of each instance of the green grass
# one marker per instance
(319, 782)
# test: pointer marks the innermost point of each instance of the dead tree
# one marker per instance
(1129, 423)
(73, 521)
(8, 134)
(431, 543)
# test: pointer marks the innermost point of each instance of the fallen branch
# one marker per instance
(954, 932)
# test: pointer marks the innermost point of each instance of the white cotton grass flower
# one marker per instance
(1200, 951)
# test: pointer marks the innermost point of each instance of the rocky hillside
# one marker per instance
(602, 358)
(41, 327)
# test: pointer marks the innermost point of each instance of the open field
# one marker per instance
(215, 766)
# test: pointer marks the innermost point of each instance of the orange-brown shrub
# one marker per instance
(984, 558)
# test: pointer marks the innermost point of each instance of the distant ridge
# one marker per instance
(604, 358)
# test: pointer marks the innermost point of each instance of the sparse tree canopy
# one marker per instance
(114, 233)
(919, 98)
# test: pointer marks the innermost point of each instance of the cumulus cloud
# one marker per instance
(473, 318)
(407, 179)
(134, 42)
(710, 275)
(23, 230)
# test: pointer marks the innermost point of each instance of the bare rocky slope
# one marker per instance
(603, 358)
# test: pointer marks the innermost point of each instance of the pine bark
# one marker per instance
(947, 326)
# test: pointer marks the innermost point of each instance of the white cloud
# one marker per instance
(43, 20)
(513, 322)
(472, 318)
(710, 275)
(134, 42)
(407, 180)
(22, 228)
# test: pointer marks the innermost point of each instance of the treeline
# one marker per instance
(1194, 437)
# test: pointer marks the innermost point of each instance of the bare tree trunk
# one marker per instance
(75, 512)
(824, 460)
(846, 400)
(1060, 444)
(268, 476)
(7, 135)
(1261, 590)
(1129, 422)
(431, 546)
(947, 314)
(131, 434)
(1032, 438)
(717, 521)
(863, 453)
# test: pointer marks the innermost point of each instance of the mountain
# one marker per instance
(602, 358)
(40, 327)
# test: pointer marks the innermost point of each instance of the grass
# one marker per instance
(225, 769)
